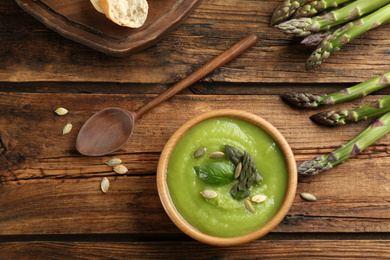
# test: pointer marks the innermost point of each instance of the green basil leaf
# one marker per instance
(215, 173)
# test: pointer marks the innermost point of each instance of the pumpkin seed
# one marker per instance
(249, 206)
(209, 194)
(200, 152)
(308, 196)
(216, 155)
(114, 162)
(120, 169)
(67, 128)
(258, 198)
(61, 111)
(238, 170)
(104, 185)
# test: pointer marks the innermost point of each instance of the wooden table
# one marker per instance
(50, 198)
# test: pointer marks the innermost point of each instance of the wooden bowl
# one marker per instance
(222, 241)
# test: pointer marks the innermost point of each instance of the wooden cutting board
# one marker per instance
(79, 21)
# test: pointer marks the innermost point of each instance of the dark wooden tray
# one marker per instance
(79, 21)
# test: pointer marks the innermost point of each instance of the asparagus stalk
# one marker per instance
(285, 10)
(346, 34)
(342, 117)
(312, 8)
(370, 135)
(305, 26)
(308, 100)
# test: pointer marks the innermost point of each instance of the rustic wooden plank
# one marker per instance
(25, 115)
(79, 21)
(31, 52)
(70, 206)
(279, 249)
(73, 206)
(46, 187)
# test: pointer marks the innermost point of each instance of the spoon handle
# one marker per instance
(203, 71)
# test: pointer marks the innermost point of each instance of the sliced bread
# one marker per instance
(96, 4)
(129, 13)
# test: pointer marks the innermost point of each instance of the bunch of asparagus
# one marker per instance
(376, 130)
(330, 24)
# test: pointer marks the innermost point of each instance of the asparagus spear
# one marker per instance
(315, 38)
(371, 134)
(342, 117)
(346, 34)
(248, 176)
(307, 100)
(285, 10)
(305, 26)
(312, 8)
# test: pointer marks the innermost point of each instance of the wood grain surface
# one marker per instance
(346, 249)
(32, 52)
(50, 198)
(44, 177)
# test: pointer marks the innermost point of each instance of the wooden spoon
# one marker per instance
(109, 129)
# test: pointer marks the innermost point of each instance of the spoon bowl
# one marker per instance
(105, 132)
(109, 129)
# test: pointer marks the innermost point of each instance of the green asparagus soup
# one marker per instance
(222, 215)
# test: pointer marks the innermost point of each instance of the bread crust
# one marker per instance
(134, 19)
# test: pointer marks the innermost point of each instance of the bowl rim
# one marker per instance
(181, 223)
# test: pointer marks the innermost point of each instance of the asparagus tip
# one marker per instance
(313, 167)
(301, 100)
